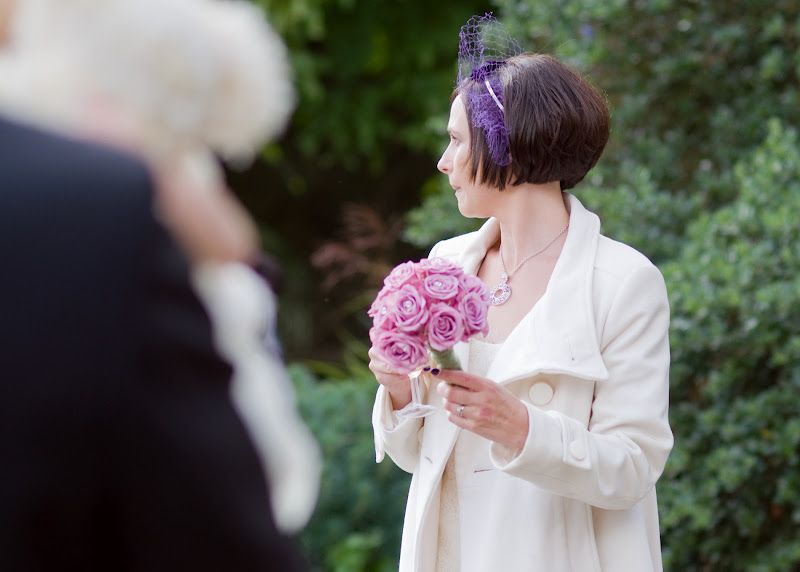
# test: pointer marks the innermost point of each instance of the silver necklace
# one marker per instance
(502, 291)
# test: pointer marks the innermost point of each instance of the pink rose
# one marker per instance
(474, 311)
(440, 286)
(471, 283)
(428, 305)
(379, 301)
(445, 327)
(400, 275)
(409, 309)
(438, 265)
(401, 351)
(379, 311)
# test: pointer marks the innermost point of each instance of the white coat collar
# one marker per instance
(559, 334)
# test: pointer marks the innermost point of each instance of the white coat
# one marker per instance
(591, 363)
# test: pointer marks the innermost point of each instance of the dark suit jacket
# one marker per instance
(119, 447)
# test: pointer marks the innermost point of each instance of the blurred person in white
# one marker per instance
(179, 82)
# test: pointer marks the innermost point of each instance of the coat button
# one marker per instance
(420, 434)
(541, 393)
(577, 450)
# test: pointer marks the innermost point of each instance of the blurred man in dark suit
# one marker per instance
(119, 446)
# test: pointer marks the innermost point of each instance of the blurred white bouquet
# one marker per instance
(191, 73)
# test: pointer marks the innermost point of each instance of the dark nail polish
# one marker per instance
(435, 371)
(426, 368)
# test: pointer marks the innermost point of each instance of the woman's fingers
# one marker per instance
(464, 379)
(397, 384)
(455, 393)
(485, 408)
(458, 400)
(383, 372)
(376, 364)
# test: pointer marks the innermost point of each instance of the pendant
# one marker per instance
(501, 292)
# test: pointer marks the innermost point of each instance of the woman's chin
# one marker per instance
(466, 213)
(466, 210)
(463, 204)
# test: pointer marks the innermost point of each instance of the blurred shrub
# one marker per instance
(359, 517)
(638, 213)
(730, 496)
(438, 217)
(370, 75)
(691, 84)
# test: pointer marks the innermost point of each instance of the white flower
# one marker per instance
(183, 72)
(256, 97)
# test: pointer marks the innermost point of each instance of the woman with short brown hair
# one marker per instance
(543, 454)
(557, 124)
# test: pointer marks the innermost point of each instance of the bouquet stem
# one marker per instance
(446, 359)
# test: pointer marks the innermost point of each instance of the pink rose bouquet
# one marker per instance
(424, 309)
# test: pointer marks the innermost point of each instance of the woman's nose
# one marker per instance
(444, 164)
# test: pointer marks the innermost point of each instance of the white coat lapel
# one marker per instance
(468, 252)
(559, 335)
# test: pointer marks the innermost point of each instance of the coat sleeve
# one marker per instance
(398, 439)
(615, 461)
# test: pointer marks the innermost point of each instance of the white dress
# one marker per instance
(242, 309)
(463, 497)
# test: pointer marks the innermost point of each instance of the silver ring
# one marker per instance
(460, 411)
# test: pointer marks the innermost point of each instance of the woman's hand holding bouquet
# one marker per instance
(423, 310)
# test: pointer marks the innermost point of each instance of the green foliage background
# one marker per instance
(356, 523)
(702, 174)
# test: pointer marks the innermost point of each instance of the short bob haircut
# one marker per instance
(558, 124)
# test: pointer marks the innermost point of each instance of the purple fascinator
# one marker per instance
(484, 47)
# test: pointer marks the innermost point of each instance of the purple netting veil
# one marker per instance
(484, 46)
